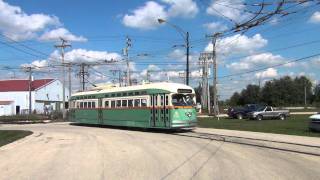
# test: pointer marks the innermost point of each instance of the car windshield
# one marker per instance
(183, 100)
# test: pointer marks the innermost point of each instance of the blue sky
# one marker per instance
(97, 29)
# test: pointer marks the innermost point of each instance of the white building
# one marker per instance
(14, 96)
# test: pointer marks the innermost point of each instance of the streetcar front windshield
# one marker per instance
(183, 100)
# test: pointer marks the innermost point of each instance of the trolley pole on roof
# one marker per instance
(62, 46)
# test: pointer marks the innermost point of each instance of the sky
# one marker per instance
(97, 31)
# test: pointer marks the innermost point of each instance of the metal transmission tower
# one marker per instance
(64, 44)
(214, 38)
(84, 73)
(126, 55)
(204, 61)
(83, 76)
(119, 73)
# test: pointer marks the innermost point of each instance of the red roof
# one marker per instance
(22, 85)
(5, 102)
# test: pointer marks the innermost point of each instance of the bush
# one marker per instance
(56, 115)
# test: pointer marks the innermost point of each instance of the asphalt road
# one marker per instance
(63, 151)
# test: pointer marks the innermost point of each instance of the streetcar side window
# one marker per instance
(143, 102)
(89, 104)
(118, 103)
(136, 102)
(161, 101)
(85, 105)
(124, 103)
(93, 104)
(78, 105)
(167, 100)
(130, 103)
(81, 104)
(106, 104)
(113, 104)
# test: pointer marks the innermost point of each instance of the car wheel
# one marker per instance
(239, 116)
(282, 117)
(259, 117)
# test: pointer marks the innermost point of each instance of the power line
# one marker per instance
(273, 66)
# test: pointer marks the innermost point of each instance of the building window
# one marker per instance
(124, 94)
(136, 93)
(113, 104)
(124, 103)
(130, 103)
(136, 102)
(143, 102)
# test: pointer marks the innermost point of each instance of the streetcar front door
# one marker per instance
(159, 112)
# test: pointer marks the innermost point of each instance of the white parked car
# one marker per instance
(314, 124)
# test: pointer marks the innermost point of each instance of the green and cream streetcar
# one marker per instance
(156, 105)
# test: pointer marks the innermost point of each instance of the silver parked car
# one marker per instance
(314, 124)
(267, 112)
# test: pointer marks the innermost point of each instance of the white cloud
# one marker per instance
(239, 44)
(177, 54)
(37, 64)
(83, 55)
(55, 34)
(315, 18)
(180, 55)
(232, 9)
(215, 26)
(145, 17)
(254, 61)
(183, 8)
(18, 25)
(269, 73)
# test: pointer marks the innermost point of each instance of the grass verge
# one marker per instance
(8, 136)
(294, 125)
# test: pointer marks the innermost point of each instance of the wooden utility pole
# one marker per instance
(62, 46)
(214, 38)
(29, 69)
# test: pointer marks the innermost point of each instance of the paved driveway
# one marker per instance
(63, 151)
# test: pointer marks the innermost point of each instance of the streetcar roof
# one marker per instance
(165, 86)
